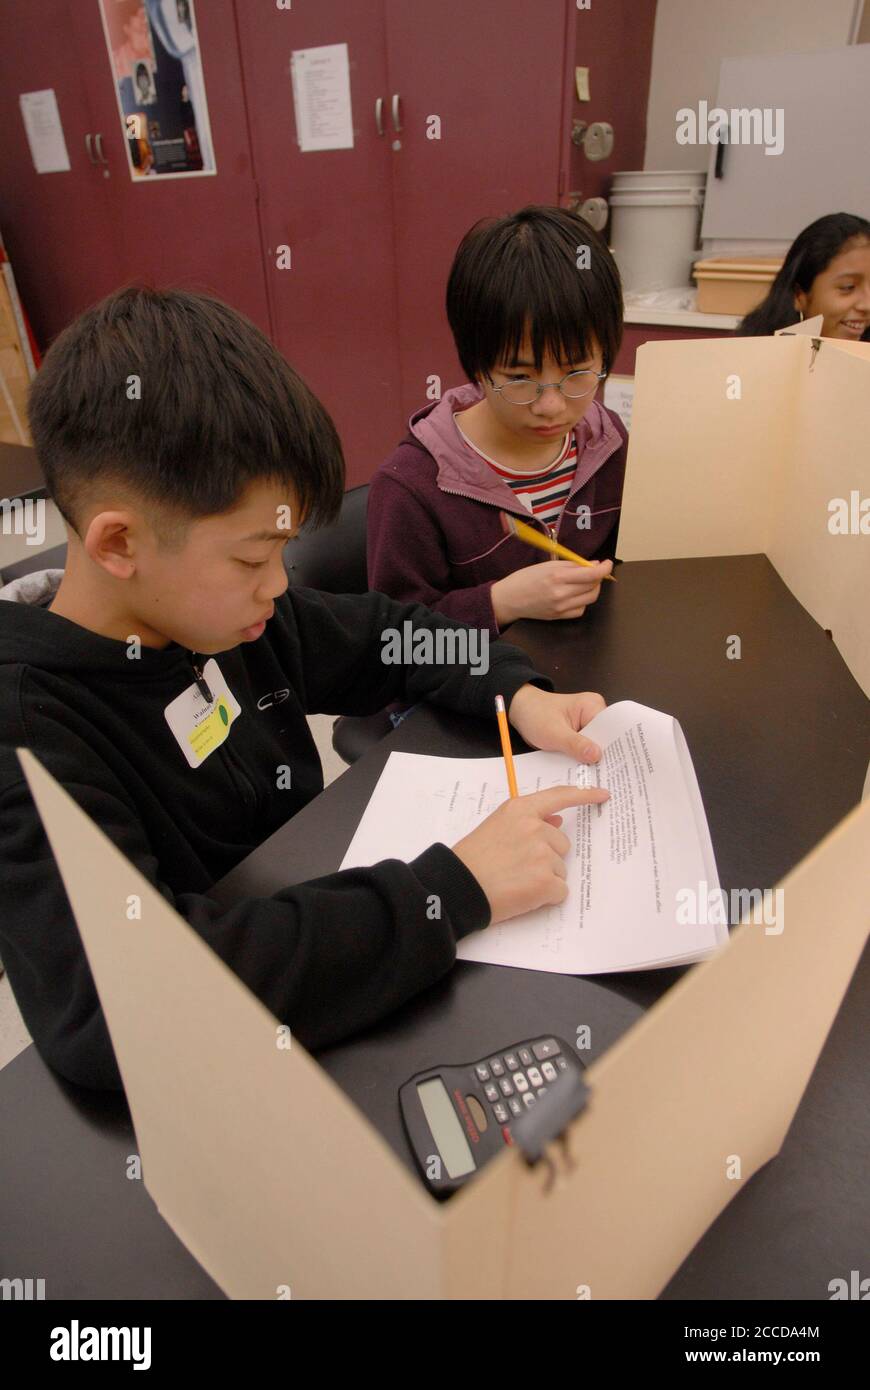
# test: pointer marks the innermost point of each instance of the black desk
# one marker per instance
(780, 741)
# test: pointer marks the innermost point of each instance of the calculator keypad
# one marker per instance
(519, 1082)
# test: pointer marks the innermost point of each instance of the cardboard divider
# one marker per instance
(829, 572)
(742, 445)
(702, 468)
(713, 1073)
(272, 1178)
(255, 1158)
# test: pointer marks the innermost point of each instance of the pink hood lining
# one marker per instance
(458, 468)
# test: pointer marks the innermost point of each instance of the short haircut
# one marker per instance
(219, 408)
(527, 272)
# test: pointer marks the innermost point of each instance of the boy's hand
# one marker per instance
(516, 854)
(551, 589)
(553, 722)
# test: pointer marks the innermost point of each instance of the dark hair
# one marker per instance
(521, 271)
(220, 408)
(810, 253)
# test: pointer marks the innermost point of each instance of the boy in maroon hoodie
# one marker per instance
(535, 305)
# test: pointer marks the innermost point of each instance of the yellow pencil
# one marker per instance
(504, 731)
(514, 527)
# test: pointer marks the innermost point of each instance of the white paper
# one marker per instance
(44, 131)
(629, 857)
(321, 97)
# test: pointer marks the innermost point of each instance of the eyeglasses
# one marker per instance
(523, 391)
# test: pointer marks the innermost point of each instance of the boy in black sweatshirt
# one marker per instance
(165, 676)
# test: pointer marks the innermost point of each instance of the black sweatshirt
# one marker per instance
(328, 957)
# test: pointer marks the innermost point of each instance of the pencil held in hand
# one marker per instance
(504, 732)
(512, 526)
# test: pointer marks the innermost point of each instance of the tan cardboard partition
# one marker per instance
(712, 1075)
(274, 1180)
(828, 572)
(742, 445)
(256, 1159)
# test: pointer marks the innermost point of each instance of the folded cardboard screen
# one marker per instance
(742, 446)
(267, 1200)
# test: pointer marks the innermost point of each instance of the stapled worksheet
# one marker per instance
(643, 890)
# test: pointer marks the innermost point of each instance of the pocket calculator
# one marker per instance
(457, 1118)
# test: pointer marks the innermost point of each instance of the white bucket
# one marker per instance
(637, 180)
(655, 225)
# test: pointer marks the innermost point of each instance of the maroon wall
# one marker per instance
(614, 40)
(638, 333)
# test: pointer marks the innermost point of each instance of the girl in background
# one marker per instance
(827, 272)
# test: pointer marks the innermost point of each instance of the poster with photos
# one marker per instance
(157, 69)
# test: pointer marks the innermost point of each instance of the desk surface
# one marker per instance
(780, 744)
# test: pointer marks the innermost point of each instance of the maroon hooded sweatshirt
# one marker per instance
(434, 534)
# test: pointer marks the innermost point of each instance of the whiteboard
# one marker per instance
(823, 167)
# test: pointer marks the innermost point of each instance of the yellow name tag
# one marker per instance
(201, 726)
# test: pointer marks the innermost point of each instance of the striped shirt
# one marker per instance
(543, 492)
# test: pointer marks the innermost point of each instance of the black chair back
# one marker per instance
(334, 558)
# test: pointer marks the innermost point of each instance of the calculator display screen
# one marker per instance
(446, 1129)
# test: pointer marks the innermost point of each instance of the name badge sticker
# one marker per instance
(201, 726)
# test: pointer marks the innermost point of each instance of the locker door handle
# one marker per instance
(719, 168)
(397, 123)
(99, 143)
(379, 115)
(89, 146)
